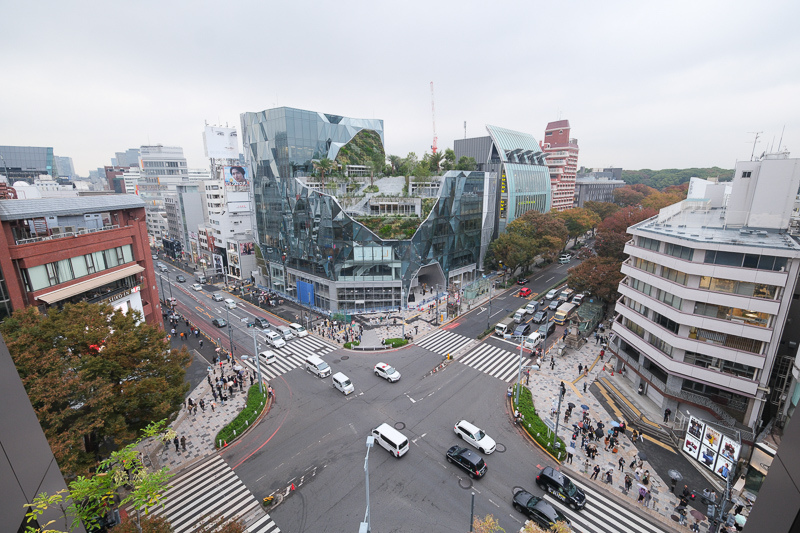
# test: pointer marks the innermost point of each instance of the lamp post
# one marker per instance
(489, 316)
(366, 525)
(230, 337)
(437, 304)
(561, 393)
(258, 360)
(403, 311)
(519, 372)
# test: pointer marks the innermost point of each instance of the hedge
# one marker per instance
(396, 343)
(534, 425)
(350, 344)
(256, 401)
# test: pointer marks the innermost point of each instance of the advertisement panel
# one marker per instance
(218, 264)
(236, 176)
(712, 438)
(221, 143)
(238, 207)
(694, 436)
(729, 449)
(246, 248)
(723, 467)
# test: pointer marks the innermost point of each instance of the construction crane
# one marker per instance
(433, 114)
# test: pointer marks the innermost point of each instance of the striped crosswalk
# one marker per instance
(495, 361)
(292, 355)
(211, 489)
(444, 342)
(604, 514)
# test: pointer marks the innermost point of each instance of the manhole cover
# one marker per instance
(465, 483)
(501, 448)
(345, 357)
(336, 361)
(399, 426)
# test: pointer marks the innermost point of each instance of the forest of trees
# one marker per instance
(661, 179)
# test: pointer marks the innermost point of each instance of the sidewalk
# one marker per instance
(544, 385)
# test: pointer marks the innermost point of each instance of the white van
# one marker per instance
(342, 383)
(317, 366)
(533, 340)
(392, 440)
(284, 332)
(274, 339)
(519, 316)
(268, 356)
(298, 330)
(230, 303)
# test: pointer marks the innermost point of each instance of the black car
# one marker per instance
(560, 486)
(537, 509)
(219, 322)
(522, 281)
(523, 330)
(547, 329)
(554, 305)
(180, 279)
(540, 317)
(470, 461)
(261, 323)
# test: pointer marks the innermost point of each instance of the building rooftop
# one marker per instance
(694, 220)
(595, 179)
(39, 207)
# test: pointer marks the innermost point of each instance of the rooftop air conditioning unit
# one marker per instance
(69, 229)
(56, 230)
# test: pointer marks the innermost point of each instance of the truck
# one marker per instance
(504, 327)
(563, 313)
(199, 276)
(566, 294)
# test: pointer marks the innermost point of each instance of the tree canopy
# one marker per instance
(601, 209)
(93, 374)
(600, 275)
(661, 179)
(467, 164)
(578, 221)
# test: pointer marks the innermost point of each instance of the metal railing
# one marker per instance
(83, 231)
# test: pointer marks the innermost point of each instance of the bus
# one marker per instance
(563, 313)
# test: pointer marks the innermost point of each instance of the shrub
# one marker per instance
(396, 343)
(256, 401)
(351, 344)
(534, 425)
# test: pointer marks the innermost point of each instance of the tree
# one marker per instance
(658, 200)
(600, 275)
(627, 196)
(620, 221)
(579, 221)
(93, 375)
(487, 524)
(611, 244)
(545, 233)
(422, 170)
(602, 209)
(533, 527)
(435, 163)
(508, 249)
(466, 164)
(324, 166)
(449, 162)
(395, 161)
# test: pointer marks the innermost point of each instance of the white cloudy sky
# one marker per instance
(643, 84)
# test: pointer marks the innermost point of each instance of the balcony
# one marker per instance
(62, 232)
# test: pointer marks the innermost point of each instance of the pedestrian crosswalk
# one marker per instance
(495, 361)
(603, 512)
(292, 355)
(211, 489)
(444, 342)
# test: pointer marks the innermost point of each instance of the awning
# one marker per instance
(89, 284)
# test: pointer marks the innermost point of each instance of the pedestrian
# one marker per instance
(183, 337)
(682, 517)
(214, 393)
(212, 405)
(569, 456)
(647, 498)
(695, 527)
(552, 363)
(593, 476)
(628, 483)
(172, 332)
(516, 416)
(183, 442)
(208, 377)
(580, 369)
(203, 405)
(584, 387)
(642, 492)
(201, 343)
(621, 464)
(196, 333)
(609, 478)
(667, 412)
(586, 466)
(596, 338)
(673, 482)
(176, 442)
(638, 473)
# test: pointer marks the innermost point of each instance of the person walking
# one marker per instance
(183, 443)
(609, 478)
(584, 387)
(569, 455)
(176, 442)
(580, 369)
(628, 483)
(201, 343)
(593, 476)
(586, 465)
(621, 464)
(647, 498)
(203, 405)
(667, 412)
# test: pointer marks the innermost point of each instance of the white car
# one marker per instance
(273, 339)
(197, 287)
(552, 294)
(475, 436)
(387, 372)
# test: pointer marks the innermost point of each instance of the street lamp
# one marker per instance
(489, 316)
(437, 304)
(258, 360)
(366, 525)
(561, 393)
(230, 338)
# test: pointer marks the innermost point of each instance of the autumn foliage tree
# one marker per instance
(601, 209)
(578, 221)
(94, 376)
(620, 221)
(600, 275)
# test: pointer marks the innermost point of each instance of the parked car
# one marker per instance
(219, 322)
(475, 436)
(387, 372)
(578, 299)
(538, 510)
(522, 281)
(548, 328)
(468, 460)
(560, 486)
(180, 279)
(539, 317)
(525, 292)
(197, 287)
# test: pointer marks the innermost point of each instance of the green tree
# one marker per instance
(508, 249)
(611, 244)
(578, 221)
(422, 171)
(449, 162)
(627, 196)
(466, 164)
(602, 209)
(395, 161)
(93, 375)
(600, 275)
(544, 233)
(657, 200)
(435, 163)
(324, 166)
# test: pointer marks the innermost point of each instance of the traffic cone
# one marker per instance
(292, 487)
(612, 371)
(226, 444)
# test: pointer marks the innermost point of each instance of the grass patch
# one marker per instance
(534, 425)
(256, 401)
(351, 344)
(486, 333)
(396, 343)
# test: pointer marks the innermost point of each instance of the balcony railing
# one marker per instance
(82, 231)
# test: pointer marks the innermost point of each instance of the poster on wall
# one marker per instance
(236, 175)
(723, 467)
(221, 143)
(712, 438)
(218, 263)
(691, 445)
(707, 456)
(246, 248)
(694, 436)
(729, 449)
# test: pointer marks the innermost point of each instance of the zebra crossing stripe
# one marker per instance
(444, 342)
(477, 355)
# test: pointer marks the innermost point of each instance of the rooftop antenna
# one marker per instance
(465, 130)
(433, 115)
(755, 141)
(779, 142)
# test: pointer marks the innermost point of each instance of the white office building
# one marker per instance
(706, 293)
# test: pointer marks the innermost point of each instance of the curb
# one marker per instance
(530, 438)
(264, 413)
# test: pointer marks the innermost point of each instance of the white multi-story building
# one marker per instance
(706, 293)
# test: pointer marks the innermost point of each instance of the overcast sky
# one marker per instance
(673, 85)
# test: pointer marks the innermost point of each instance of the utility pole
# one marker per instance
(230, 338)
(489, 316)
(561, 393)
(519, 373)
(437, 304)
(258, 360)
(366, 525)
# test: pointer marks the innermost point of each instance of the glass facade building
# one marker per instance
(26, 162)
(518, 160)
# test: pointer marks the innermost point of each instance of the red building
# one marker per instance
(86, 248)
(562, 160)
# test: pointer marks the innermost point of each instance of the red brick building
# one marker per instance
(85, 248)
(562, 160)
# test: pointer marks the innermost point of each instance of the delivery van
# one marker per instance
(519, 316)
(504, 327)
(342, 383)
(563, 313)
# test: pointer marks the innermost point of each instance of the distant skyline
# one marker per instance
(676, 85)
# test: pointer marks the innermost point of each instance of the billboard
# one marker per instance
(221, 143)
(246, 248)
(218, 265)
(236, 175)
(710, 447)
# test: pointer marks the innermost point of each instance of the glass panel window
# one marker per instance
(52, 274)
(634, 327)
(650, 244)
(65, 270)
(641, 264)
(79, 266)
(659, 344)
(670, 299)
(681, 252)
(38, 277)
(673, 275)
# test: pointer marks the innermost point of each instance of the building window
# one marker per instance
(746, 173)
(640, 286)
(752, 318)
(673, 275)
(647, 266)
(649, 244)
(760, 262)
(660, 345)
(729, 341)
(638, 307)
(666, 323)
(681, 252)
(742, 288)
(669, 299)
(721, 365)
(634, 327)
